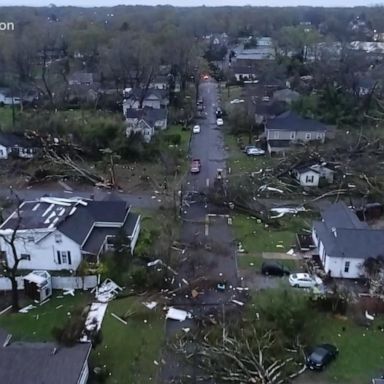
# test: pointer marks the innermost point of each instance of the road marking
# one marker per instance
(206, 227)
(207, 182)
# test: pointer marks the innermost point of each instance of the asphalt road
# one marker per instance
(208, 146)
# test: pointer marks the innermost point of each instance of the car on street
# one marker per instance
(196, 129)
(273, 268)
(304, 280)
(219, 121)
(206, 77)
(195, 166)
(255, 152)
(320, 356)
(219, 112)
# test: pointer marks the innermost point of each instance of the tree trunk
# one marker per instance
(15, 294)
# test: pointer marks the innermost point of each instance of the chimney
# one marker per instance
(334, 231)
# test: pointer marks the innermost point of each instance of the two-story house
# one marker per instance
(141, 98)
(56, 233)
(344, 242)
(145, 121)
(289, 128)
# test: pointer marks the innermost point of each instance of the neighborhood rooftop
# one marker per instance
(291, 121)
(37, 363)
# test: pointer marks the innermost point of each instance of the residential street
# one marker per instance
(208, 146)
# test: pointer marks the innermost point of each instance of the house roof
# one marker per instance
(81, 77)
(344, 235)
(244, 69)
(97, 237)
(74, 218)
(269, 109)
(149, 115)
(291, 121)
(13, 140)
(36, 363)
(137, 93)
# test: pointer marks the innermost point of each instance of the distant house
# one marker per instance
(145, 121)
(286, 95)
(12, 145)
(160, 82)
(244, 72)
(344, 242)
(57, 234)
(80, 78)
(36, 363)
(6, 97)
(263, 52)
(310, 176)
(141, 98)
(289, 128)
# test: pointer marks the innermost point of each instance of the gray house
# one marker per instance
(80, 78)
(141, 98)
(344, 242)
(146, 121)
(36, 363)
(289, 128)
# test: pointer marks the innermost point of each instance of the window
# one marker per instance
(275, 134)
(58, 238)
(30, 239)
(346, 266)
(64, 257)
(319, 136)
(308, 136)
(292, 135)
(25, 256)
(309, 179)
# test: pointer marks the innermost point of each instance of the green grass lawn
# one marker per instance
(6, 117)
(37, 324)
(254, 261)
(361, 353)
(129, 351)
(230, 93)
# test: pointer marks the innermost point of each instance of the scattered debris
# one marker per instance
(286, 210)
(150, 304)
(291, 252)
(69, 292)
(59, 306)
(27, 308)
(119, 318)
(186, 330)
(6, 310)
(160, 262)
(240, 303)
(271, 189)
(107, 291)
(177, 314)
(368, 316)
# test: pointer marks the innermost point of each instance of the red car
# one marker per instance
(195, 166)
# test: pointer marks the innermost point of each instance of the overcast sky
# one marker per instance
(272, 3)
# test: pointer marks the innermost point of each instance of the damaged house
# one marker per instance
(344, 242)
(140, 98)
(57, 234)
(313, 175)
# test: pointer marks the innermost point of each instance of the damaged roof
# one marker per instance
(291, 121)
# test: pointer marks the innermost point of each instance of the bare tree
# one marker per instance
(10, 267)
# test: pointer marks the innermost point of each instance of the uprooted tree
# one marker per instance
(262, 345)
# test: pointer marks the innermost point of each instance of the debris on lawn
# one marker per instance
(94, 319)
(68, 292)
(286, 210)
(279, 246)
(150, 304)
(177, 314)
(59, 306)
(5, 310)
(119, 318)
(27, 308)
(264, 188)
(240, 303)
(107, 291)
(240, 248)
(160, 262)
(368, 316)
(291, 252)
(186, 330)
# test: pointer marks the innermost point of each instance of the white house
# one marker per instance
(310, 176)
(17, 146)
(55, 233)
(141, 98)
(344, 242)
(7, 99)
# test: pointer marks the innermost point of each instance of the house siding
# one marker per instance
(3, 152)
(336, 265)
(302, 178)
(275, 134)
(44, 253)
(135, 235)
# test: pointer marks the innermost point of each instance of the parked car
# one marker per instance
(304, 280)
(206, 77)
(200, 102)
(245, 149)
(196, 129)
(195, 166)
(219, 112)
(320, 356)
(219, 122)
(274, 269)
(255, 152)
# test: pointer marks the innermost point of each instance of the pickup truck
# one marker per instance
(195, 166)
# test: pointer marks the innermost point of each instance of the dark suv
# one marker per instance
(273, 268)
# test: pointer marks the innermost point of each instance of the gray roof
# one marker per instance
(15, 140)
(244, 69)
(291, 121)
(137, 93)
(35, 363)
(97, 237)
(149, 115)
(344, 235)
